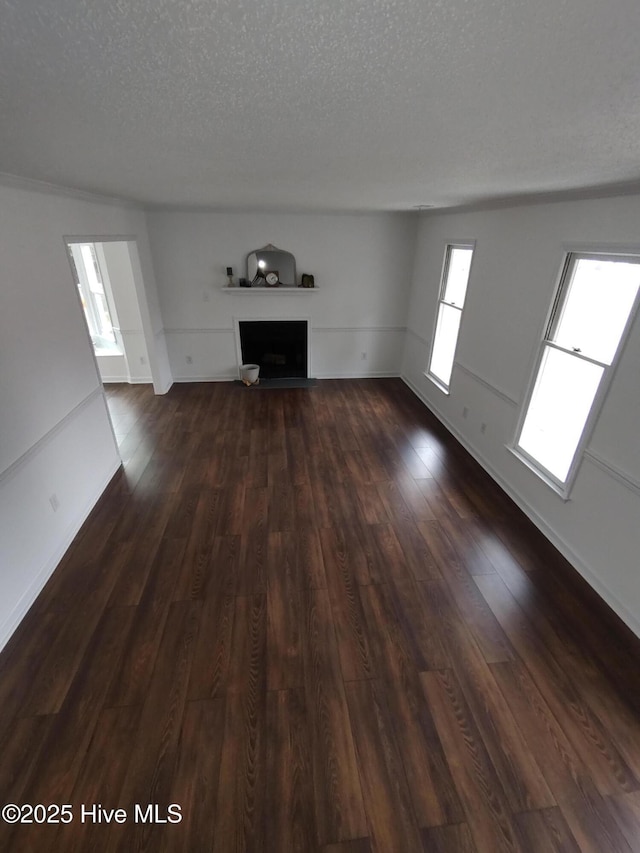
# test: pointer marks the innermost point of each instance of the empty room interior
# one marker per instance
(319, 426)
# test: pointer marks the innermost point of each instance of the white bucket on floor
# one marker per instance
(249, 372)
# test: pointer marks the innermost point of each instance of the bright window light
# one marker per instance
(94, 298)
(592, 310)
(453, 289)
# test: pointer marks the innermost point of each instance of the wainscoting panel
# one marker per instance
(208, 355)
(44, 498)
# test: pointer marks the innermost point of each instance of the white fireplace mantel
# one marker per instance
(244, 291)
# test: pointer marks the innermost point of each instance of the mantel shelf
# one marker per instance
(242, 291)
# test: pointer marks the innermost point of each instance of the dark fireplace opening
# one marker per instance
(278, 346)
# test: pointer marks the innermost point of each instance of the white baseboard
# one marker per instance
(207, 378)
(37, 585)
(618, 607)
(126, 380)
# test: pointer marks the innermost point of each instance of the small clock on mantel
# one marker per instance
(272, 279)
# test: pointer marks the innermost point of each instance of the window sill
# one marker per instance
(437, 383)
(561, 491)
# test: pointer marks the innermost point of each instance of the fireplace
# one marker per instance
(278, 346)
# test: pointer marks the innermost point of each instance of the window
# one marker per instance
(591, 313)
(86, 270)
(453, 289)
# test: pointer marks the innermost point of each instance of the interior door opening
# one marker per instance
(105, 280)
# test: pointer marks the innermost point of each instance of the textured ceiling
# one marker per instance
(320, 104)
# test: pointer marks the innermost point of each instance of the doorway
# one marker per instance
(104, 277)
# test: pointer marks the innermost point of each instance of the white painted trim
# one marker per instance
(161, 207)
(21, 183)
(373, 375)
(539, 472)
(418, 337)
(613, 190)
(236, 328)
(34, 589)
(205, 378)
(351, 329)
(231, 378)
(563, 280)
(439, 385)
(622, 477)
(99, 238)
(128, 380)
(444, 274)
(51, 433)
(280, 290)
(347, 329)
(488, 385)
(225, 329)
(596, 248)
(165, 387)
(563, 547)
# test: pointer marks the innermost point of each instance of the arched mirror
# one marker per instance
(263, 263)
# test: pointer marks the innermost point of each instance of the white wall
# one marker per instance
(362, 266)
(55, 435)
(515, 270)
(144, 280)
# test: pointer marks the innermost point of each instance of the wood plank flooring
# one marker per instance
(308, 618)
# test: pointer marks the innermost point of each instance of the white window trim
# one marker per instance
(449, 244)
(564, 488)
(438, 382)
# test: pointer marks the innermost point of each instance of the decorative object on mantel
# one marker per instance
(258, 279)
(307, 280)
(272, 279)
(230, 281)
(270, 259)
(244, 283)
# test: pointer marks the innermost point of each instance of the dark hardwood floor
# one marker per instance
(309, 619)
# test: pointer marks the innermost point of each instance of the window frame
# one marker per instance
(446, 263)
(561, 292)
(87, 298)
